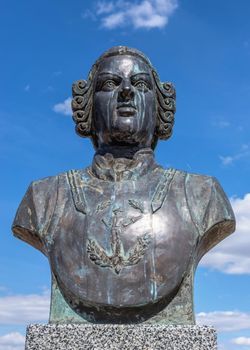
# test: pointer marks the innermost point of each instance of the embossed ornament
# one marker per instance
(118, 260)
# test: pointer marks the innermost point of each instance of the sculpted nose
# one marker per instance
(126, 92)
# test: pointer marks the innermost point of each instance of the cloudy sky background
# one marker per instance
(201, 46)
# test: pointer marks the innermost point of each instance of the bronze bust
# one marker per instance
(124, 236)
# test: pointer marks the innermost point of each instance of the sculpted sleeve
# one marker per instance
(35, 212)
(211, 212)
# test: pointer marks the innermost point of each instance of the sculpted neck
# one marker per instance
(120, 150)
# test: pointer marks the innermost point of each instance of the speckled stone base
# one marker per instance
(122, 337)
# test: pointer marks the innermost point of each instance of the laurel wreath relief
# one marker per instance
(116, 260)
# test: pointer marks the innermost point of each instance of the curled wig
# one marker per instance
(82, 103)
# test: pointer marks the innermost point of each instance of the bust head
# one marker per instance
(123, 103)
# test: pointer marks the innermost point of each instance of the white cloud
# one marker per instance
(3, 288)
(140, 14)
(104, 7)
(113, 20)
(232, 255)
(23, 309)
(225, 321)
(64, 107)
(12, 341)
(88, 14)
(221, 123)
(49, 88)
(243, 153)
(57, 73)
(241, 341)
(226, 160)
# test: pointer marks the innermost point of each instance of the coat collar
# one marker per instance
(108, 168)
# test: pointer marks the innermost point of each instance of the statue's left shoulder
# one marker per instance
(210, 209)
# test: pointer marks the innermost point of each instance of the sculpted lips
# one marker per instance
(126, 109)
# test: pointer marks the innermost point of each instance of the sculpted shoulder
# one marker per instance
(35, 211)
(210, 210)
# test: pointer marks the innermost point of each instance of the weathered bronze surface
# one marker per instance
(124, 236)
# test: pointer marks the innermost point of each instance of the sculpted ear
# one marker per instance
(166, 96)
(82, 107)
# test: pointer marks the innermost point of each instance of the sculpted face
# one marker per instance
(124, 107)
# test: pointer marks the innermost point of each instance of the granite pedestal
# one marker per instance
(122, 337)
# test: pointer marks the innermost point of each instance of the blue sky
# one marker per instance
(203, 47)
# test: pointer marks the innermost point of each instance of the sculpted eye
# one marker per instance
(109, 85)
(141, 85)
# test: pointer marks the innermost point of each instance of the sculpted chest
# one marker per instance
(121, 245)
(124, 251)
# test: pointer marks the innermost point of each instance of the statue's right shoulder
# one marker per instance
(35, 211)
